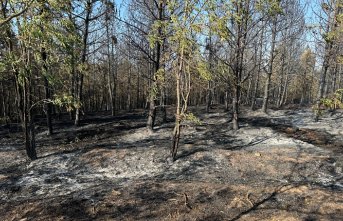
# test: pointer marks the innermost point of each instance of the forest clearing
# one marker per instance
(280, 166)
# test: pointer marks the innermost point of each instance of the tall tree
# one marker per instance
(233, 22)
(332, 10)
(30, 38)
(185, 24)
(274, 9)
(147, 22)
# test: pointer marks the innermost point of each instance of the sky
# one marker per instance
(310, 7)
(121, 6)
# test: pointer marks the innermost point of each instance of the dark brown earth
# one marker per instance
(280, 166)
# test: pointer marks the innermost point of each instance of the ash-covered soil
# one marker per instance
(280, 166)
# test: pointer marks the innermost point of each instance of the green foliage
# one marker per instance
(339, 18)
(157, 33)
(153, 91)
(160, 76)
(220, 28)
(40, 29)
(270, 7)
(333, 102)
(330, 36)
(204, 70)
(317, 110)
(82, 67)
(192, 118)
(67, 101)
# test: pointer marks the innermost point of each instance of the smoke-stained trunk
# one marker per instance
(48, 105)
(80, 75)
(157, 65)
(271, 66)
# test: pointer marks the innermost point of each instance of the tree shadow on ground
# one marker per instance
(174, 195)
(281, 198)
(187, 153)
(317, 137)
(254, 142)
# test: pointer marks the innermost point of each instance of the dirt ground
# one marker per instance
(280, 166)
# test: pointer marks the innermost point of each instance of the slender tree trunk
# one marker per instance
(310, 93)
(208, 97)
(177, 127)
(128, 89)
(3, 100)
(109, 70)
(178, 117)
(235, 109)
(28, 121)
(31, 150)
(23, 97)
(331, 22)
(163, 104)
(322, 81)
(79, 99)
(227, 103)
(327, 82)
(151, 101)
(248, 96)
(260, 54)
(334, 79)
(282, 83)
(340, 76)
(73, 79)
(80, 75)
(157, 64)
(242, 28)
(115, 74)
(237, 88)
(209, 92)
(138, 92)
(254, 96)
(285, 89)
(271, 66)
(48, 105)
(305, 89)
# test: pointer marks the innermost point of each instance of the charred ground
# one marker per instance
(281, 166)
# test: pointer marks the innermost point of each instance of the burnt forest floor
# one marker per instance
(280, 166)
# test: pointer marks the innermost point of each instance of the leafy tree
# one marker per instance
(185, 23)
(232, 22)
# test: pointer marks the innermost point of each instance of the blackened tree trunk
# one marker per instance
(28, 117)
(23, 95)
(271, 66)
(259, 67)
(110, 43)
(157, 65)
(209, 91)
(282, 83)
(163, 105)
(241, 37)
(80, 75)
(331, 25)
(3, 100)
(322, 80)
(48, 105)
(208, 96)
